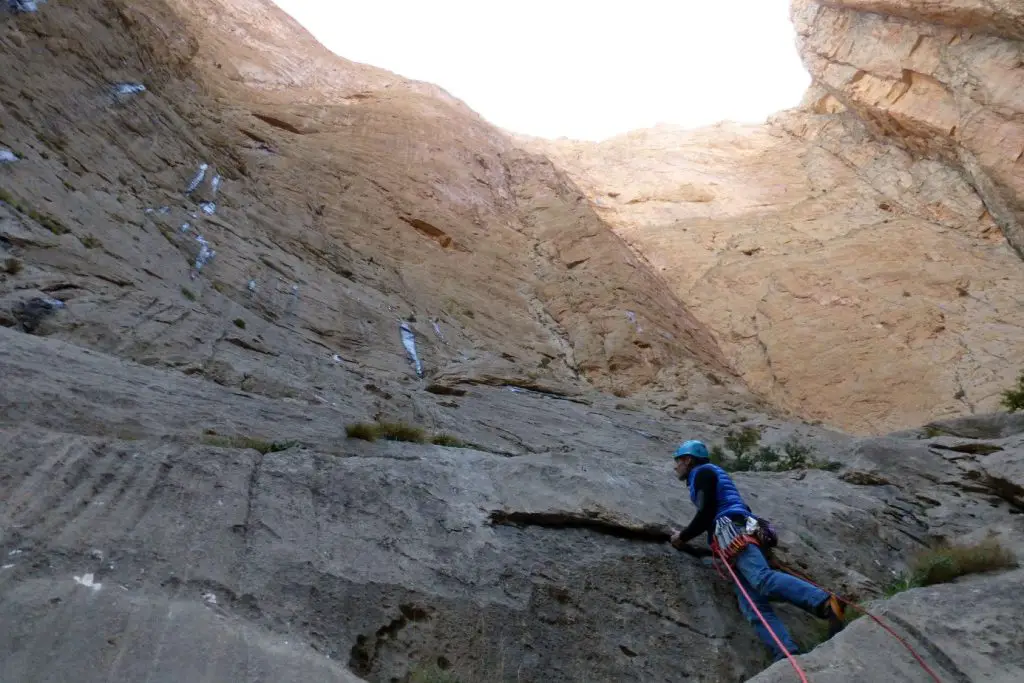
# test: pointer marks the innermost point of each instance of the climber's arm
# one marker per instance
(706, 483)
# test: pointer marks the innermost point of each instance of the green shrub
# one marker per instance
(13, 266)
(188, 294)
(90, 242)
(49, 222)
(255, 443)
(362, 430)
(1013, 398)
(747, 455)
(239, 323)
(447, 440)
(945, 563)
(399, 431)
(948, 562)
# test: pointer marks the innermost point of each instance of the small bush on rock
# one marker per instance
(948, 562)
(362, 430)
(1013, 398)
(745, 454)
(399, 431)
(257, 444)
(13, 266)
(447, 440)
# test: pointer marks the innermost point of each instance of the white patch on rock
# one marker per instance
(129, 88)
(210, 598)
(409, 342)
(87, 581)
(7, 156)
(197, 179)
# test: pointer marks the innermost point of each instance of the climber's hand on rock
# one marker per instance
(675, 539)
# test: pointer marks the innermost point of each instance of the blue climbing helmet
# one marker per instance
(693, 448)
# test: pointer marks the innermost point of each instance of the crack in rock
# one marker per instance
(588, 520)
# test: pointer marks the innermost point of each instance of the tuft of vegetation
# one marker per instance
(447, 440)
(1013, 398)
(44, 219)
(239, 323)
(932, 431)
(12, 201)
(400, 431)
(13, 266)
(365, 431)
(948, 562)
(90, 242)
(188, 294)
(743, 452)
(432, 674)
(255, 443)
(49, 222)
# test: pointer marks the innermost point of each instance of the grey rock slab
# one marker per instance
(966, 632)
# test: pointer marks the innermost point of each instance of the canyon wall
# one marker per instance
(854, 257)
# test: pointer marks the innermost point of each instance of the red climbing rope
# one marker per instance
(775, 637)
(876, 619)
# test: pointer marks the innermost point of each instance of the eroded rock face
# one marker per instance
(235, 224)
(847, 280)
(942, 79)
(846, 254)
(331, 202)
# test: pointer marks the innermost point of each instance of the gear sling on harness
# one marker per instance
(729, 540)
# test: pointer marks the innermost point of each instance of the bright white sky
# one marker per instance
(578, 68)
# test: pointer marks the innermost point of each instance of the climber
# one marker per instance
(733, 529)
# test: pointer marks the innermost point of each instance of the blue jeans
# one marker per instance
(763, 584)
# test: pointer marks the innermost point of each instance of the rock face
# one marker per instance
(847, 255)
(221, 246)
(328, 557)
(942, 79)
(939, 617)
(845, 279)
(336, 200)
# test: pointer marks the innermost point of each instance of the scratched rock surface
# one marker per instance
(506, 561)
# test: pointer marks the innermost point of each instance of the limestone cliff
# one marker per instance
(848, 255)
(221, 246)
(348, 200)
(942, 78)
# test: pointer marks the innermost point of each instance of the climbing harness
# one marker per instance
(730, 539)
(878, 620)
(778, 641)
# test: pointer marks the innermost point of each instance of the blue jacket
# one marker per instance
(728, 498)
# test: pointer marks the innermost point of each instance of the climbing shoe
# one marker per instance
(832, 611)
